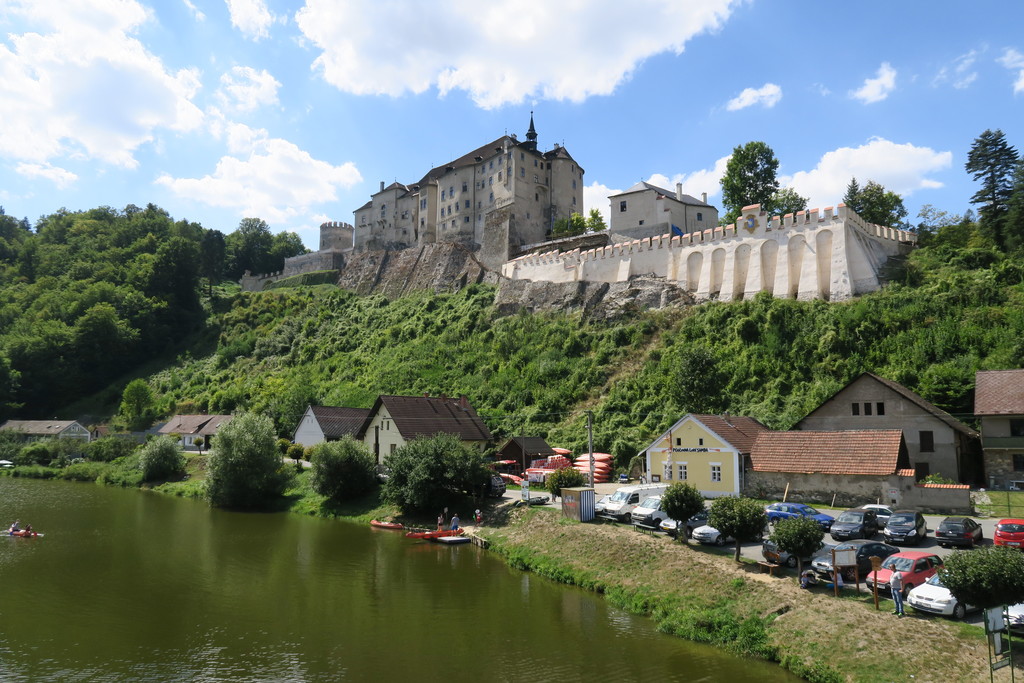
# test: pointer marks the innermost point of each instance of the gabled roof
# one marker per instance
(532, 445)
(647, 187)
(735, 430)
(336, 422)
(861, 451)
(999, 392)
(203, 425)
(39, 427)
(926, 406)
(417, 416)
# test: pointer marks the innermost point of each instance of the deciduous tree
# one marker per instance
(342, 469)
(786, 201)
(875, 204)
(564, 478)
(429, 473)
(161, 458)
(750, 178)
(245, 468)
(742, 518)
(681, 501)
(800, 537)
(985, 577)
(137, 404)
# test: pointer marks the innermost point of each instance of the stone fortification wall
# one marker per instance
(313, 261)
(808, 255)
(599, 300)
(336, 236)
(441, 267)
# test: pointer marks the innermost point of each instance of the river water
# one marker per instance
(130, 585)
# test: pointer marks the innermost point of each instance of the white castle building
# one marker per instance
(808, 255)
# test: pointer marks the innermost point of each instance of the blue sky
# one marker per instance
(294, 112)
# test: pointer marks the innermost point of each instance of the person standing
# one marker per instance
(478, 517)
(440, 522)
(455, 522)
(896, 586)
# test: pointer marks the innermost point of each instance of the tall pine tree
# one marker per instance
(992, 161)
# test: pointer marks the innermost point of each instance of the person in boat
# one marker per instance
(28, 529)
(15, 527)
(455, 522)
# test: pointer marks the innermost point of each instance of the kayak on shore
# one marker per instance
(434, 534)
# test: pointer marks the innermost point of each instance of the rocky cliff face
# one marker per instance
(450, 267)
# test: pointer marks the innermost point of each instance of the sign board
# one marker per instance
(845, 558)
(526, 489)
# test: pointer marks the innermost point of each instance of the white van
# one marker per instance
(648, 514)
(620, 505)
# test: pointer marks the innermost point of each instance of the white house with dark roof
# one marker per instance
(328, 423)
(646, 210)
(394, 421)
(937, 442)
(192, 427)
(33, 430)
(999, 402)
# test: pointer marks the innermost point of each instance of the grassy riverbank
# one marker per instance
(700, 595)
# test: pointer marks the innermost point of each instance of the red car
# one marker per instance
(915, 566)
(1009, 532)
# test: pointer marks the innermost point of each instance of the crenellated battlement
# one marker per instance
(829, 253)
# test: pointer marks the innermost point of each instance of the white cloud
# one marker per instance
(79, 85)
(595, 196)
(697, 182)
(768, 95)
(902, 168)
(1014, 60)
(251, 17)
(960, 73)
(246, 89)
(60, 177)
(501, 51)
(270, 178)
(194, 10)
(878, 88)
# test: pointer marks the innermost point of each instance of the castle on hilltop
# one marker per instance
(496, 206)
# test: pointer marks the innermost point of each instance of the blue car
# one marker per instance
(779, 511)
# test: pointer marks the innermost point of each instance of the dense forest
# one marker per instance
(90, 301)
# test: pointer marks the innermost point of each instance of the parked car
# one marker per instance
(959, 531)
(779, 511)
(771, 553)
(1015, 618)
(906, 526)
(855, 523)
(821, 563)
(620, 505)
(599, 505)
(1009, 532)
(882, 512)
(648, 514)
(709, 534)
(932, 596)
(916, 566)
(671, 526)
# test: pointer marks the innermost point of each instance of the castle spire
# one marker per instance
(531, 135)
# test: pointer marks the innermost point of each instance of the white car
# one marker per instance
(932, 596)
(709, 534)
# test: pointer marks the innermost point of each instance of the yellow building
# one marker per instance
(706, 451)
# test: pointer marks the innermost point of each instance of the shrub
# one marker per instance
(341, 469)
(742, 518)
(245, 468)
(296, 451)
(800, 537)
(432, 471)
(161, 458)
(110, 448)
(985, 577)
(680, 502)
(564, 478)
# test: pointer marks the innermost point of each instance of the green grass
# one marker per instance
(1004, 504)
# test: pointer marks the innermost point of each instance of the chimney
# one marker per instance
(679, 191)
(464, 402)
(382, 186)
(704, 197)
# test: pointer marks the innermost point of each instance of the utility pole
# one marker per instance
(590, 442)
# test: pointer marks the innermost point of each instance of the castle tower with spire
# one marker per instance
(494, 199)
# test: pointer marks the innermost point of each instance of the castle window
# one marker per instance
(442, 194)
(451, 191)
(535, 163)
(491, 164)
(522, 156)
(700, 216)
(479, 204)
(464, 186)
(535, 178)
(467, 203)
(383, 208)
(536, 197)
(522, 172)
(574, 183)
(574, 201)
(490, 180)
(622, 205)
(491, 198)
(499, 176)
(467, 220)
(449, 209)
(641, 222)
(423, 221)
(423, 203)
(527, 215)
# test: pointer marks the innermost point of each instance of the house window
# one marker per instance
(679, 442)
(700, 442)
(682, 472)
(394, 446)
(716, 473)
(867, 408)
(700, 216)
(856, 408)
(1016, 427)
(622, 205)
(921, 470)
(927, 442)
(641, 222)
(1018, 462)
(879, 408)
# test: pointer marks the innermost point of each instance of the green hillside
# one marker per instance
(92, 300)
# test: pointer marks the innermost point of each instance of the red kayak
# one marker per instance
(434, 534)
(386, 525)
(23, 533)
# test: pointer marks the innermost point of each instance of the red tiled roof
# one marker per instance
(906, 472)
(999, 392)
(417, 416)
(336, 422)
(738, 431)
(862, 451)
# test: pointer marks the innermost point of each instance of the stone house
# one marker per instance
(999, 402)
(191, 427)
(937, 443)
(846, 468)
(707, 451)
(328, 423)
(33, 430)
(394, 421)
(646, 210)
